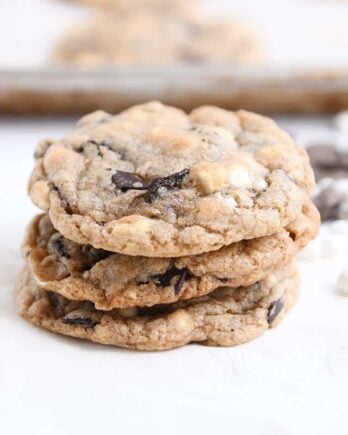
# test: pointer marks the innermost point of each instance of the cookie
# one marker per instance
(151, 38)
(226, 317)
(109, 280)
(156, 182)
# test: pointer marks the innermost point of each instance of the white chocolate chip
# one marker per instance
(181, 321)
(230, 202)
(40, 194)
(342, 283)
(311, 252)
(239, 178)
(227, 200)
(128, 312)
(259, 184)
(209, 177)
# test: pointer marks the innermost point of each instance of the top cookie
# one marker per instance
(154, 181)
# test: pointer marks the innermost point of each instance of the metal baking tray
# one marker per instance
(71, 92)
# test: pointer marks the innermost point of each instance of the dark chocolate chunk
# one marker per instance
(81, 321)
(95, 254)
(181, 281)
(59, 247)
(328, 202)
(273, 310)
(166, 279)
(127, 181)
(171, 182)
(323, 155)
(334, 172)
(55, 301)
(80, 149)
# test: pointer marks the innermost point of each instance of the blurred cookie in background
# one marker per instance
(151, 38)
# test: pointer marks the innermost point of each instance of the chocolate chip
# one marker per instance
(127, 181)
(81, 321)
(80, 149)
(334, 172)
(181, 281)
(170, 183)
(95, 254)
(328, 202)
(166, 279)
(273, 310)
(323, 155)
(59, 247)
(55, 301)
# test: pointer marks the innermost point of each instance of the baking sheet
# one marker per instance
(276, 90)
(305, 69)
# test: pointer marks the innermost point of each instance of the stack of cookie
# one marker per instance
(162, 228)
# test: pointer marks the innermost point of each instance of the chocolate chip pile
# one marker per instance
(330, 163)
(161, 228)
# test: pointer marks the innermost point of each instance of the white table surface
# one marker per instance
(292, 380)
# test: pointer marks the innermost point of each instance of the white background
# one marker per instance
(292, 380)
(300, 32)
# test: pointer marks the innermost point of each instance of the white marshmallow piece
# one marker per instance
(341, 141)
(311, 252)
(239, 178)
(341, 121)
(342, 283)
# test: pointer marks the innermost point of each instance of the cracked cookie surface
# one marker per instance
(156, 182)
(109, 280)
(226, 317)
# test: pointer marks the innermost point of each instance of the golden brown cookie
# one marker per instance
(226, 317)
(109, 280)
(156, 182)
